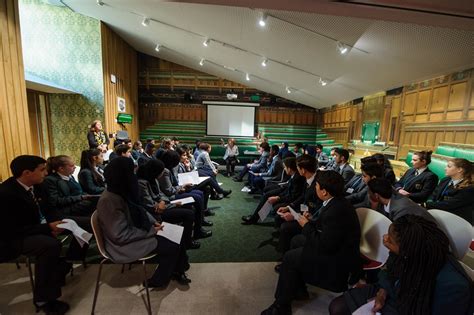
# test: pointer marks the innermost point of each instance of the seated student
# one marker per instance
(174, 142)
(342, 164)
(169, 186)
(285, 222)
(121, 150)
(281, 196)
(326, 252)
(390, 203)
(332, 164)
(310, 150)
(419, 182)
(231, 156)
(455, 193)
(298, 149)
(189, 155)
(158, 204)
(205, 167)
(129, 232)
(147, 154)
(257, 180)
(137, 150)
(356, 189)
(25, 231)
(422, 278)
(64, 193)
(196, 150)
(321, 156)
(283, 149)
(91, 175)
(259, 165)
(387, 167)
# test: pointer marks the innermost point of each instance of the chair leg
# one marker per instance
(30, 272)
(123, 268)
(97, 285)
(145, 281)
(17, 265)
(129, 266)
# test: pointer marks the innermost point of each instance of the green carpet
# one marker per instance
(232, 241)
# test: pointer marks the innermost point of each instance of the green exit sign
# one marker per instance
(255, 98)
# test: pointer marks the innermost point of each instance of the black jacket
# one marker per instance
(356, 190)
(420, 187)
(308, 198)
(294, 189)
(89, 184)
(331, 251)
(459, 201)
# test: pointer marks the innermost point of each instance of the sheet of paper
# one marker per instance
(295, 214)
(188, 178)
(265, 211)
(201, 179)
(184, 201)
(107, 154)
(365, 309)
(245, 189)
(81, 235)
(172, 232)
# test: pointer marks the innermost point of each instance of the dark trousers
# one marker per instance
(263, 199)
(171, 258)
(211, 181)
(198, 207)
(81, 208)
(291, 281)
(183, 216)
(230, 163)
(288, 230)
(46, 250)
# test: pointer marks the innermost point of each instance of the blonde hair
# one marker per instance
(468, 172)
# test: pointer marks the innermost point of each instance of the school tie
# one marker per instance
(32, 195)
(416, 173)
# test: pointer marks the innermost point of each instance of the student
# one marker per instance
(259, 165)
(91, 175)
(130, 233)
(331, 165)
(421, 278)
(137, 150)
(326, 252)
(356, 189)
(419, 182)
(231, 156)
(257, 180)
(147, 154)
(387, 167)
(342, 166)
(298, 149)
(321, 156)
(455, 193)
(97, 137)
(283, 150)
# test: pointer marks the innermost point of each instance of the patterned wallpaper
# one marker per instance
(65, 48)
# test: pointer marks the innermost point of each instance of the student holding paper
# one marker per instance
(158, 204)
(130, 232)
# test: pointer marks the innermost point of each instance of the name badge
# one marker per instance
(350, 190)
(303, 208)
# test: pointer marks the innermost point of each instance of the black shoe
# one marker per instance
(202, 234)
(226, 192)
(153, 285)
(187, 266)
(194, 245)
(278, 268)
(217, 197)
(237, 179)
(181, 278)
(249, 219)
(55, 307)
(207, 223)
(209, 213)
(277, 309)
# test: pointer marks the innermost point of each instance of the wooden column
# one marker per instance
(14, 123)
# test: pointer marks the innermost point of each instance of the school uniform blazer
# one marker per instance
(169, 184)
(89, 184)
(322, 158)
(347, 172)
(59, 192)
(148, 197)
(295, 188)
(400, 206)
(359, 189)
(275, 169)
(459, 201)
(261, 164)
(331, 251)
(308, 198)
(420, 187)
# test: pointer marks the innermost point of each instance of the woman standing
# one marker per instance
(97, 137)
(130, 233)
(455, 192)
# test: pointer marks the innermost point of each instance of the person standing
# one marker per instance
(97, 137)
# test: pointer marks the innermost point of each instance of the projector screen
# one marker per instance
(230, 119)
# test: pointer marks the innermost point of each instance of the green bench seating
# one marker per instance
(455, 150)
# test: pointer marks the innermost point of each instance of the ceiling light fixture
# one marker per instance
(157, 48)
(323, 82)
(288, 90)
(262, 21)
(206, 42)
(100, 2)
(201, 62)
(247, 77)
(264, 62)
(343, 48)
(146, 21)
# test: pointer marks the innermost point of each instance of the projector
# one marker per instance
(231, 96)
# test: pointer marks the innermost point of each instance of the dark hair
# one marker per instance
(424, 156)
(151, 170)
(381, 186)
(180, 151)
(204, 146)
(288, 154)
(424, 250)
(149, 146)
(136, 144)
(343, 152)
(319, 146)
(290, 162)
(55, 162)
(311, 150)
(275, 149)
(368, 159)
(121, 149)
(372, 169)
(185, 147)
(25, 163)
(171, 159)
(307, 162)
(285, 144)
(175, 139)
(331, 181)
(87, 161)
(265, 146)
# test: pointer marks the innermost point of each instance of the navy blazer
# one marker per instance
(308, 198)
(420, 187)
(294, 189)
(459, 201)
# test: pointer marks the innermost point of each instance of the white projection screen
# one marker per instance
(230, 119)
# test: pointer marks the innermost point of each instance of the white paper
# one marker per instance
(190, 178)
(82, 236)
(295, 214)
(184, 201)
(172, 232)
(264, 211)
(245, 189)
(366, 309)
(220, 184)
(201, 179)
(107, 154)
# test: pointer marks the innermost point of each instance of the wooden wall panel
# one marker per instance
(15, 137)
(119, 59)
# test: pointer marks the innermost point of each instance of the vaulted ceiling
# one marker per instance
(387, 46)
